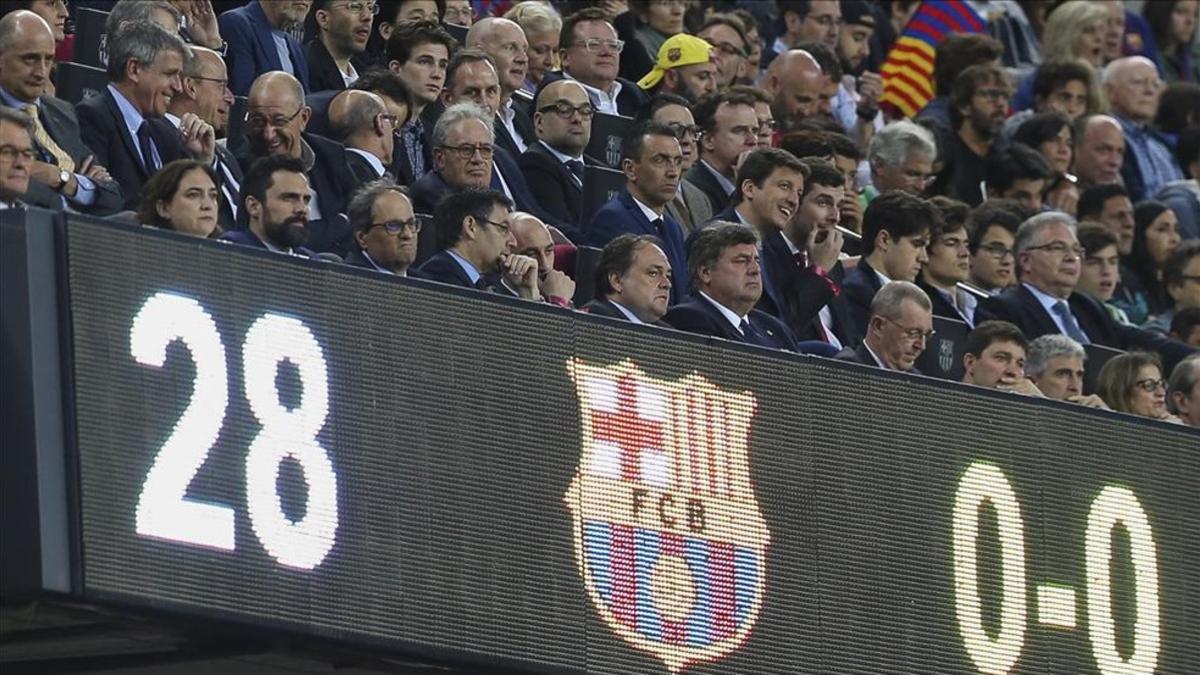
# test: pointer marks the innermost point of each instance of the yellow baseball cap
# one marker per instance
(680, 49)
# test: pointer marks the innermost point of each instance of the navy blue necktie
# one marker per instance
(143, 136)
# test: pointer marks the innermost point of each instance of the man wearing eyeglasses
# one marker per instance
(260, 41)
(361, 121)
(385, 230)
(276, 118)
(1049, 260)
(205, 94)
(727, 36)
(591, 53)
(334, 54)
(993, 228)
(900, 325)
(554, 165)
(16, 157)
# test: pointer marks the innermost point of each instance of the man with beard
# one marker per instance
(276, 117)
(795, 83)
(275, 198)
(685, 67)
(980, 104)
(343, 29)
(505, 42)
(385, 230)
(534, 240)
(727, 35)
(260, 40)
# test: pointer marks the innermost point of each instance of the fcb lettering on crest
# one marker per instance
(669, 540)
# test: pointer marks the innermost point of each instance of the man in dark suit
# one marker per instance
(1048, 265)
(633, 280)
(553, 166)
(125, 125)
(895, 238)
(385, 230)
(591, 54)
(505, 42)
(333, 55)
(63, 172)
(275, 199)
(724, 264)
(475, 246)
(419, 52)
(276, 118)
(900, 325)
(729, 127)
(361, 121)
(206, 94)
(17, 140)
(949, 263)
(651, 162)
(260, 41)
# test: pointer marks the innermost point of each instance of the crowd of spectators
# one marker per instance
(1046, 197)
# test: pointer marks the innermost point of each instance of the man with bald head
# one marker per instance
(361, 121)
(64, 170)
(505, 42)
(205, 93)
(794, 82)
(553, 166)
(276, 117)
(534, 240)
(1099, 151)
(1133, 89)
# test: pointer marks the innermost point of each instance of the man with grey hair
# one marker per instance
(505, 42)
(1055, 364)
(900, 326)
(142, 12)
(462, 155)
(1049, 260)
(385, 230)
(361, 121)
(1133, 89)
(64, 171)
(901, 156)
(1183, 391)
(16, 156)
(726, 273)
(125, 125)
(260, 41)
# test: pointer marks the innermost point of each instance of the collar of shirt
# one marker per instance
(650, 213)
(1048, 301)
(729, 314)
(275, 249)
(350, 75)
(726, 184)
(377, 267)
(506, 112)
(564, 158)
(740, 218)
(472, 273)
(133, 118)
(605, 102)
(875, 356)
(11, 101)
(791, 247)
(374, 161)
(883, 280)
(780, 47)
(624, 310)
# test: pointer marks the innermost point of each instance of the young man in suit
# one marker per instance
(125, 124)
(896, 228)
(1048, 265)
(275, 198)
(419, 52)
(475, 242)
(361, 121)
(949, 263)
(651, 161)
(260, 41)
(343, 29)
(900, 325)
(554, 165)
(729, 127)
(724, 264)
(385, 230)
(64, 170)
(276, 117)
(633, 280)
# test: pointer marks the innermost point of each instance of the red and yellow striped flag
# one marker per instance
(908, 69)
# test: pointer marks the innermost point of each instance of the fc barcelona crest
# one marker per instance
(669, 539)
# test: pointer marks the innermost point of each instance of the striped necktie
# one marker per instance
(61, 158)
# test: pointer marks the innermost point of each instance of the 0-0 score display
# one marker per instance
(1056, 605)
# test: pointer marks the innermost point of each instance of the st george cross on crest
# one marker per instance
(668, 536)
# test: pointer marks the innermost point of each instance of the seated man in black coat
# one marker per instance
(895, 238)
(475, 246)
(724, 264)
(385, 230)
(335, 54)
(361, 122)
(901, 323)
(633, 280)
(275, 200)
(1049, 259)
(276, 117)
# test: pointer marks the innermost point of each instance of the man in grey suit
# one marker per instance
(63, 173)
(691, 208)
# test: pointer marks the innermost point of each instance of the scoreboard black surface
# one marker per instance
(403, 466)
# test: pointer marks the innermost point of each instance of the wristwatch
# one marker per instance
(64, 177)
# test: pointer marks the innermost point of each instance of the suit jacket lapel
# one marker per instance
(131, 146)
(266, 40)
(1041, 318)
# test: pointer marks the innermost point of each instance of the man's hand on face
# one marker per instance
(521, 273)
(559, 284)
(1024, 386)
(824, 247)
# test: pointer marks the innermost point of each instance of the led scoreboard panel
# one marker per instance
(403, 466)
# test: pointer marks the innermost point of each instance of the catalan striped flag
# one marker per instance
(908, 69)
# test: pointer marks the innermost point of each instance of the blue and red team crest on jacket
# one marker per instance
(669, 538)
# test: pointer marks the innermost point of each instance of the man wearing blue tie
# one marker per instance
(653, 164)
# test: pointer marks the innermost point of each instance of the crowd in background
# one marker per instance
(770, 189)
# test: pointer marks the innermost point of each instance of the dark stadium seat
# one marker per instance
(944, 351)
(600, 184)
(607, 133)
(90, 46)
(76, 81)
